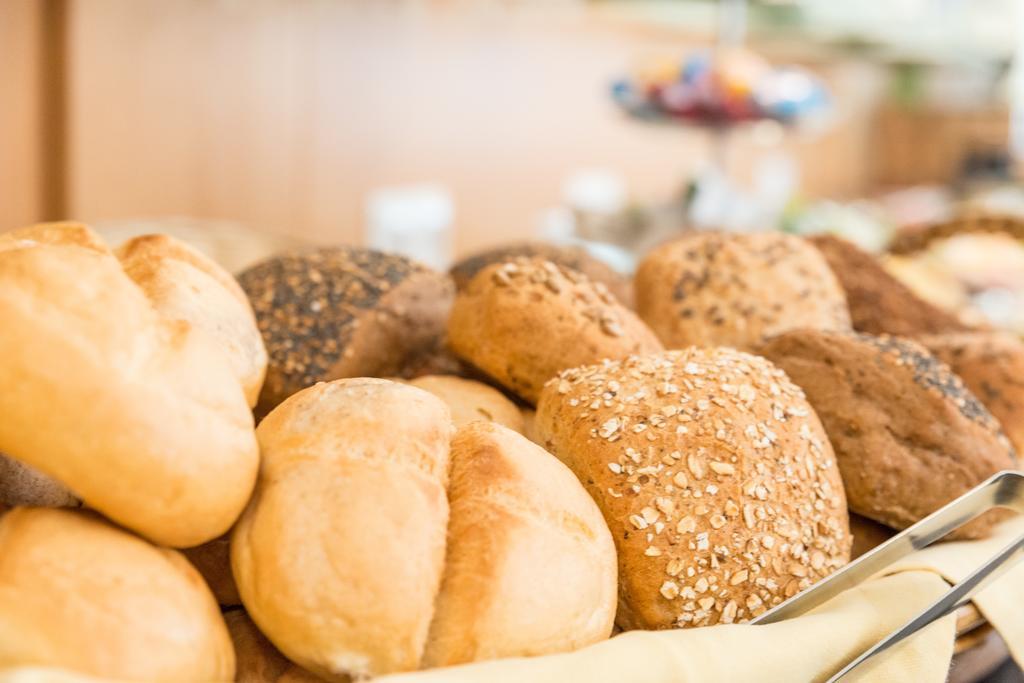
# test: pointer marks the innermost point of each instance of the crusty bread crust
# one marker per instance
(715, 476)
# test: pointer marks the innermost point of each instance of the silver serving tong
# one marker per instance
(1005, 489)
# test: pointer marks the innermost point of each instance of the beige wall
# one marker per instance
(284, 114)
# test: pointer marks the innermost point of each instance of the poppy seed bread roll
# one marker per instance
(717, 289)
(715, 477)
(139, 415)
(361, 466)
(575, 258)
(530, 564)
(909, 437)
(185, 285)
(343, 312)
(523, 321)
(81, 594)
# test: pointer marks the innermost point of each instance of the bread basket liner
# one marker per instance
(808, 648)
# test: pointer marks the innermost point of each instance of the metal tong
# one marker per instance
(1005, 489)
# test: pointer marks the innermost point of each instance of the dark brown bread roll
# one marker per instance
(577, 258)
(991, 364)
(343, 312)
(879, 303)
(718, 289)
(908, 435)
(523, 321)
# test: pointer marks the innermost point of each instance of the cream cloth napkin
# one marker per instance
(809, 648)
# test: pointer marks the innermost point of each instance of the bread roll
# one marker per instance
(574, 258)
(339, 556)
(213, 561)
(138, 415)
(710, 289)
(879, 303)
(78, 593)
(343, 312)
(21, 484)
(521, 322)
(714, 475)
(257, 660)
(54, 234)
(469, 400)
(991, 364)
(909, 437)
(530, 566)
(185, 285)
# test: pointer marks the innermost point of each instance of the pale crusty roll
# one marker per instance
(530, 566)
(185, 285)
(470, 400)
(339, 555)
(523, 321)
(78, 593)
(256, 658)
(138, 415)
(710, 289)
(715, 477)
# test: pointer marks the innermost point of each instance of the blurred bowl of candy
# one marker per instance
(720, 87)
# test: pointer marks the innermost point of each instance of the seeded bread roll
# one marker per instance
(575, 258)
(991, 364)
(185, 285)
(80, 594)
(21, 484)
(879, 303)
(909, 437)
(360, 465)
(139, 415)
(469, 400)
(530, 565)
(343, 312)
(213, 561)
(714, 475)
(257, 660)
(523, 321)
(715, 289)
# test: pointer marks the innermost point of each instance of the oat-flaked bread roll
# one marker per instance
(530, 564)
(80, 594)
(469, 400)
(185, 285)
(343, 312)
(256, 658)
(213, 562)
(879, 303)
(360, 467)
(991, 364)
(138, 415)
(576, 258)
(21, 484)
(714, 475)
(717, 289)
(523, 321)
(908, 436)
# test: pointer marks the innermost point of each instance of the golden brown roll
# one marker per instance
(469, 400)
(138, 415)
(185, 285)
(343, 312)
(715, 476)
(575, 258)
(521, 532)
(522, 321)
(78, 593)
(257, 660)
(909, 437)
(55, 234)
(213, 562)
(991, 364)
(717, 289)
(339, 555)
(879, 303)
